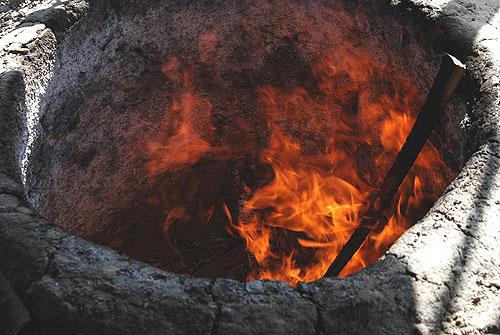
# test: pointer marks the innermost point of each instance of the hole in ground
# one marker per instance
(239, 148)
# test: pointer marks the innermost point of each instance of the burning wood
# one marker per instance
(447, 79)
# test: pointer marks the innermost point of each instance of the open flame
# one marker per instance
(186, 145)
(328, 151)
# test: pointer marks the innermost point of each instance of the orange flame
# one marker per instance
(329, 149)
(296, 225)
(186, 145)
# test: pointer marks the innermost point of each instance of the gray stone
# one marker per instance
(8, 185)
(21, 36)
(24, 210)
(8, 202)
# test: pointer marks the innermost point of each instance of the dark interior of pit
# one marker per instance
(109, 95)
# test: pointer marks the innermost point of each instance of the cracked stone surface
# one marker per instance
(442, 276)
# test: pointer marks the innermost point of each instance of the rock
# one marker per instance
(441, 276)
(24, 210)
(22, 36)
(8, 185)
(17, 48)
(8, 202)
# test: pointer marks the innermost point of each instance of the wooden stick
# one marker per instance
(446, 81)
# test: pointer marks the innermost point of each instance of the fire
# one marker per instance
(328, 149)
(186, 145)
(295, 226)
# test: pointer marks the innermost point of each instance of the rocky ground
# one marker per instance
(442, 276)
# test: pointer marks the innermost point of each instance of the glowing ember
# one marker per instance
(328, 150)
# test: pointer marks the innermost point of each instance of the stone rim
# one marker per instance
(40, 256)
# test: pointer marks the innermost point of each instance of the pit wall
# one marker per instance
(442, 275)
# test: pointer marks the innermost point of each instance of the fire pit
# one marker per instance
(234, 143)
(187, 146)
